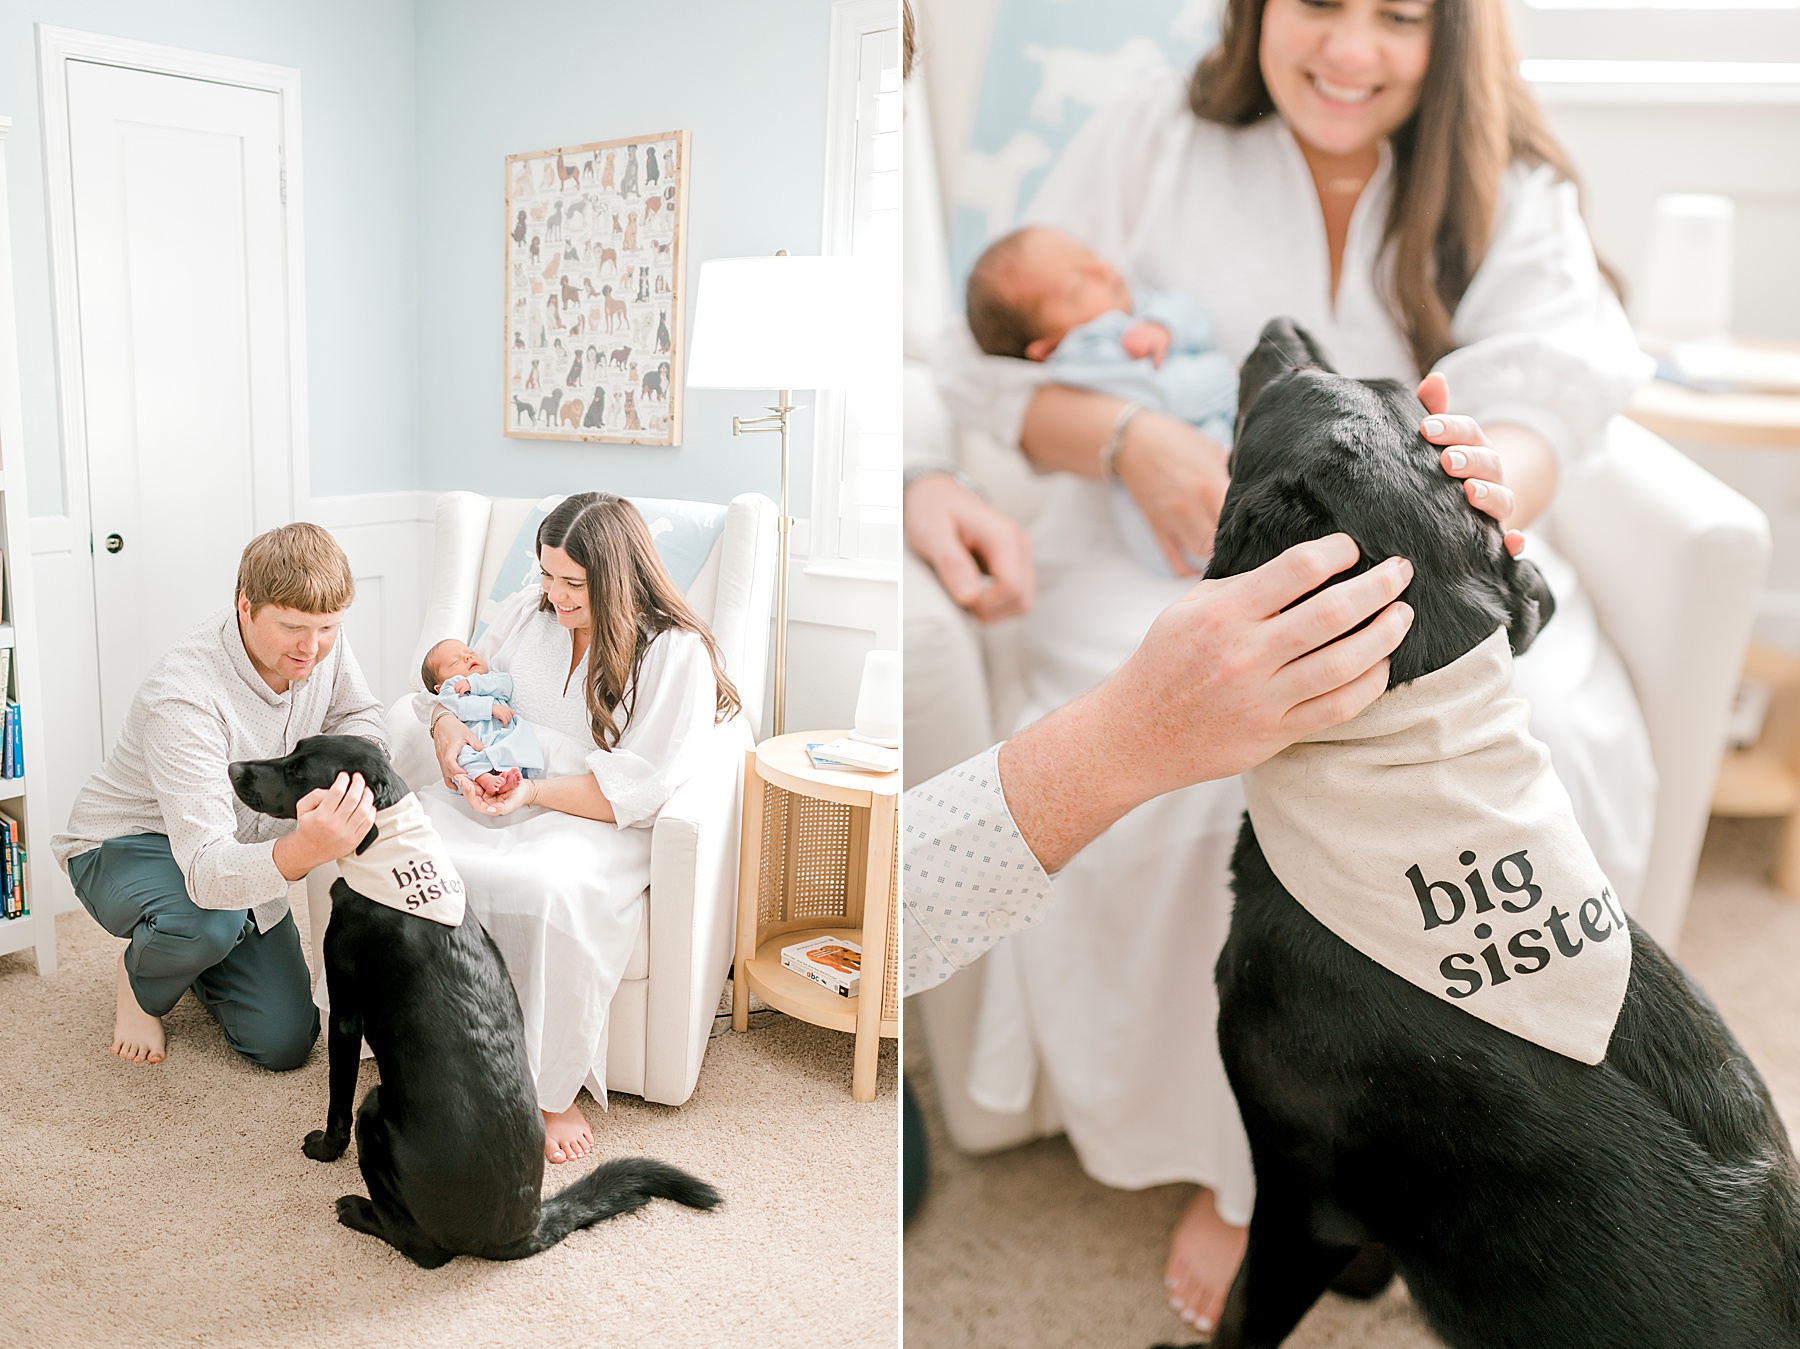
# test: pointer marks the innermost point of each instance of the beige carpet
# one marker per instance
(1021, 1249)
(171, 1205)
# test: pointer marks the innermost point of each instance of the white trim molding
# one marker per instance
(1663, 82)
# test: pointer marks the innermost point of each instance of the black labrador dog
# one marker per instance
(451, 1143)
(1529, 1201)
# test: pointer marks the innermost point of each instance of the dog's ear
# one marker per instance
(1283, 346)
(1532, 605)
(1266, 518)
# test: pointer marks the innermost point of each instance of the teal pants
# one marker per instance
(254, 983)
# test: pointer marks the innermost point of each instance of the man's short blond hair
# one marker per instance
(297, 566)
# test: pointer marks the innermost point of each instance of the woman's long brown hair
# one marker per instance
(631, 601)
(1475, 118)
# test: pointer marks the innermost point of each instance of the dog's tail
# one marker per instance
(619, 1186)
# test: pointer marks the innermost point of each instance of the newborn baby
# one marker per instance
(483, 702)
(1042, 295)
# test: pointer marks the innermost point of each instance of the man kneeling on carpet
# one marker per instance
(160, 850)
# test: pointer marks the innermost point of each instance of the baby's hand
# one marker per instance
(460, 684)
(1147, 339)
(503, 714)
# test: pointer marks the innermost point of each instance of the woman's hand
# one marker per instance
(1467, 455)
(448, 736)
(524, 792)
(981, 555)
(1177, 476)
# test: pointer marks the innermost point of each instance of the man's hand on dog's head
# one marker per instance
(330, 823)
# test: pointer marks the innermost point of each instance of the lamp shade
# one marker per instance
(778, 323)
(878, 700)
(1686, 295)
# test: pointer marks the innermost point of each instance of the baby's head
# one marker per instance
(448, 660)
(1032, 286)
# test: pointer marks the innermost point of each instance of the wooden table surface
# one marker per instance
(1676, 412)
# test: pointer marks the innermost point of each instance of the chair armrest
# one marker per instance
(693, 916)
(1674, 560)
(409, 745)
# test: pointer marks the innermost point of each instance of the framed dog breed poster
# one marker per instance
(595, 245)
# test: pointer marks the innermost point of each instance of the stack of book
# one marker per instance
(854, 755)
(12, 749)
(15, 902)
(830, 962)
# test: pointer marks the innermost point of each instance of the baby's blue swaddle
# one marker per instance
(1196, 383)
(510, 746)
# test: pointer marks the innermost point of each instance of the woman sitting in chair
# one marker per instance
(624, 683)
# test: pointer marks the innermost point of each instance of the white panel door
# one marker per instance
(180, 259)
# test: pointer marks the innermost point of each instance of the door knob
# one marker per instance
(114, 543)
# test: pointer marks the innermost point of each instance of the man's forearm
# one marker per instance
(1062, 780)
(293, 859)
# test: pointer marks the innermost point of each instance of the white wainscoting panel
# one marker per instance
(69, 666)
(387, 537)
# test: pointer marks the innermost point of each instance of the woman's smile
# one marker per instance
(1337, 93)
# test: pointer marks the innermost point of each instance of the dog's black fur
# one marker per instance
(1530, 1201)
(451, 1143)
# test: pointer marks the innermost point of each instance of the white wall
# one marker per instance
(1631, 146)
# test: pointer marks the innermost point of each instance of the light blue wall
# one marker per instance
(358, 109)
(409, 112)
(746, 79)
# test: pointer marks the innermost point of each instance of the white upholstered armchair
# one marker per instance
(663, 1012)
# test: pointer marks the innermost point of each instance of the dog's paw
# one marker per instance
(323, 1147)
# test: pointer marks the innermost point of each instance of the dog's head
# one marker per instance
(1319, 453)
(275, 786)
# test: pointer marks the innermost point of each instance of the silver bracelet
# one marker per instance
(911, 473)
(1109, 452)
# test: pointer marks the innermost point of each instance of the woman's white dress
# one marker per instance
(563, 897)
(1112, 996)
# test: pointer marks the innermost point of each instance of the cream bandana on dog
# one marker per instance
(1430, 833)
(406, 867)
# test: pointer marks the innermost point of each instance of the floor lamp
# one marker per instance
(780, 323)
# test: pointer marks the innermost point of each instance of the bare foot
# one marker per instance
(566, 1135)
(137, 1036)
(1204, 1253)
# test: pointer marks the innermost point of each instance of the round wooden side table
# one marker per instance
(819, 858)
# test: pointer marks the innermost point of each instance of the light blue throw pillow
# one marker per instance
(684, 532)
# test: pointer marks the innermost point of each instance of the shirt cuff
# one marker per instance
(233, 875)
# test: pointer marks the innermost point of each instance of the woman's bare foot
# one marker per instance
(137, 1036)
(566, 1135)
(1204, 1254)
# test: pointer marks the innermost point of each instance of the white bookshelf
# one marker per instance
(25, 798)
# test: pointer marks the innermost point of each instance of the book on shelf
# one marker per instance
(831, 962)
(856, 756)
(12, 758)
(5, 671)
(15, 899)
